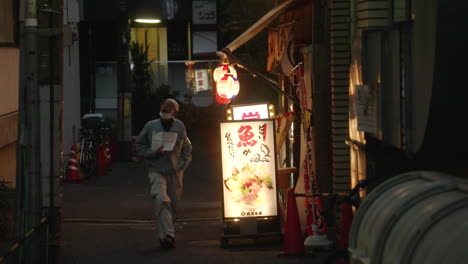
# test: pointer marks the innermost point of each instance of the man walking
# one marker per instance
(165, 166)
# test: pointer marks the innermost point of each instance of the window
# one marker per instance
(7, 22)
(385, 69)
(204, 42)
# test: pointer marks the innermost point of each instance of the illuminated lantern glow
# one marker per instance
(221, 100)
(223, 69)
(228, 87)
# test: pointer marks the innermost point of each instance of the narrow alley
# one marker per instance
(109, 219)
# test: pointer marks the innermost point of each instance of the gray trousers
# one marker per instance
(165, 192)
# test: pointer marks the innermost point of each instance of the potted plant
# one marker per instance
(142, 78)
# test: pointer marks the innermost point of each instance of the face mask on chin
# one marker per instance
(165, 116)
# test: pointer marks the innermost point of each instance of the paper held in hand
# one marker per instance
(166, 139)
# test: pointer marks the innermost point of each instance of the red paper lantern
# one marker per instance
(228, 87)
(221, 100)
(223, 69)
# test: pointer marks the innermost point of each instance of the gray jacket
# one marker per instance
(169, 162)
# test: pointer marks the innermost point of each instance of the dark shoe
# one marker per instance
(168, 242)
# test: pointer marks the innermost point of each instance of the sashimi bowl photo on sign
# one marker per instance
(249, 168)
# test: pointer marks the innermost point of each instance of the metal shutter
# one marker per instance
(339, 69)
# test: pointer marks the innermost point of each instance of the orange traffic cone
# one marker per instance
(108, 154)
(73, 170)
(346, 220)
(293, 237)
(101, 160)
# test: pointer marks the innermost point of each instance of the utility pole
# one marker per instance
(125, 96)
(21, 195)
(50, 16)
(32, 183)
(32, 204)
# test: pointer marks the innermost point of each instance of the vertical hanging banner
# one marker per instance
(201, 80)
(249, 168)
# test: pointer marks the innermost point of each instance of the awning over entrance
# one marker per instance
(253, 30)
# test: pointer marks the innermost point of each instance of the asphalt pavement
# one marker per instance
(110, 219)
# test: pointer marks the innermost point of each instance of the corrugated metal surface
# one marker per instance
(373, 14)
(415, 217)
(339, 71)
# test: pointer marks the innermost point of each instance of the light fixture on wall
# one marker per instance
(271, 111)
(229, 113)
(148, 20)
(145, 12)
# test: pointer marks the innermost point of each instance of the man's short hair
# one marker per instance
(172, 102)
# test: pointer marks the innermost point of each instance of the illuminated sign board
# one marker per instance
(250, 112)
(249, 168)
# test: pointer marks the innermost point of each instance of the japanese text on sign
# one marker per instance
(249, 168)
(245, 136)
(249, 112)
(201, 80)
(204, 12)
